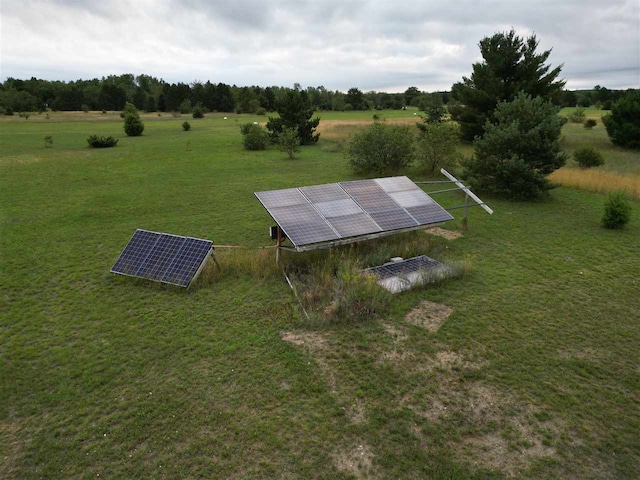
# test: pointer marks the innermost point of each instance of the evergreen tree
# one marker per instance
(295, 112)
(623, 123)
(519, 150)
(510, 65)
(133, 126)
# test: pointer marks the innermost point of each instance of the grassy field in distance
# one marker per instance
(534, 373)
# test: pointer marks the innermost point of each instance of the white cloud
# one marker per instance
(375, 45)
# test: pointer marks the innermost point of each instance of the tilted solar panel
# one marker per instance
(163, 257)
(326, 213)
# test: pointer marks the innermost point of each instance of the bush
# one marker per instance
(436, 146)
(518, 151)
(623, 123)
(261, 111)
(577, 116)
(588, 157)
(186, 126)
(84, 108)
(254, 137)
(589, 123)
(8, 111)
(381, 148)
(101, 142)
(198, 111)
(288, 141)
(617, 211)
(133, 126)
(48, 141)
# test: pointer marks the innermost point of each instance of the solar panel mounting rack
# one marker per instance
(163, 257)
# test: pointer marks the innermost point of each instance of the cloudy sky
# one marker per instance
(384, 45)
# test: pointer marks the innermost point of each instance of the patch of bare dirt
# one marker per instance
(309, 340)
(357, 461)
(429, 315)
(443, 232)
(493, 451)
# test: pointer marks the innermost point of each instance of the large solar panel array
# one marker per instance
(163, 257)
(335, 211)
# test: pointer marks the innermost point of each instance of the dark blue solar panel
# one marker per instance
(163, 257)
(393, 219)
(187, 261)
(136, 252)
(160, 257)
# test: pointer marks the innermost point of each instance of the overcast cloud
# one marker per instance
(384, 45)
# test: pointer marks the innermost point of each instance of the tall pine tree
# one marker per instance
(510, 65)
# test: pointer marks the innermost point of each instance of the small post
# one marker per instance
(278, 242)
(465, 220)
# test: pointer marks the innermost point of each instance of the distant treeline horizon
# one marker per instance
(151, 94)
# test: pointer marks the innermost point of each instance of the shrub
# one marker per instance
(84, 108)
(381, 148)
(623, 123)
(133, 126)
(48, 141)
(186, 126)
(254, 137)
(617, 211)
(198, 111)
(101, 142)
(261, 111)
(588, 157)
(589, 123)
(519, 150)
(288, 141)
(577, 116)
(8, 111)
(436, 146)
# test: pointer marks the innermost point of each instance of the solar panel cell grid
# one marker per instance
(136, 252)
(322, 213)
(411, 198)
(324, 193)
(187, 261)
(405, 267)
(337, 208)
(396, 184)
(394, 219)
(302, 224)
(281, 198)
(353, 225)
(160, 257)
(429, 214)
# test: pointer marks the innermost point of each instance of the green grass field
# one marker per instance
(533, 375)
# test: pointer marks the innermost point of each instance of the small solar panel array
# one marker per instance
(163, 257)
(324, 213)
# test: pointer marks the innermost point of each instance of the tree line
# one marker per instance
(152, 94)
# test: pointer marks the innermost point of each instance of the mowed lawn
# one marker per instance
(534, 374)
